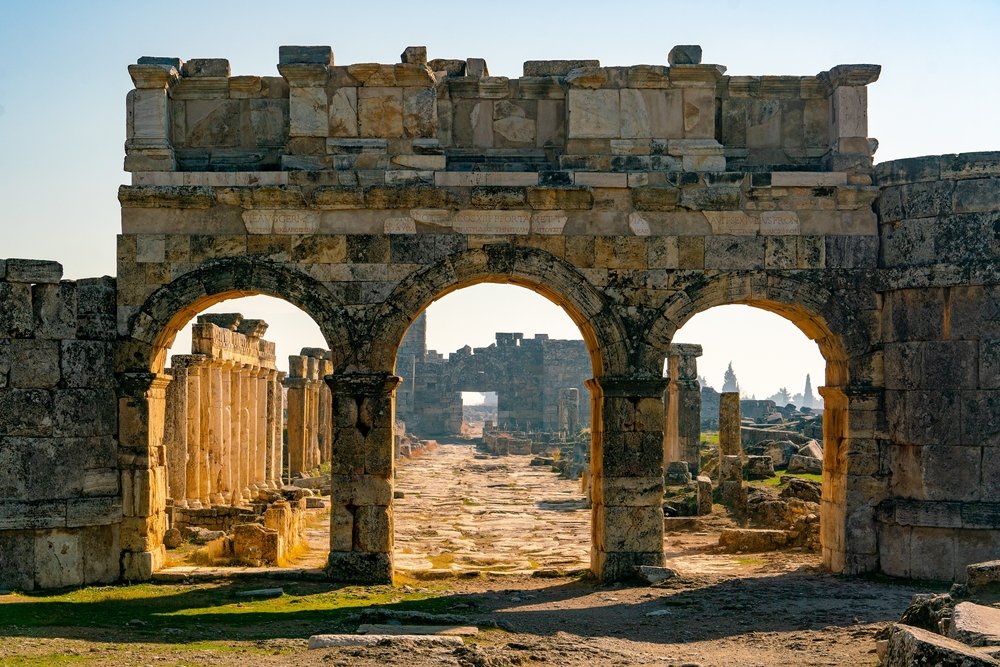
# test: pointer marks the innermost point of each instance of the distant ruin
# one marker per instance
(528, 375)
(634, 197)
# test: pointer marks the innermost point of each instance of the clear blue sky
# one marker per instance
(63, 81)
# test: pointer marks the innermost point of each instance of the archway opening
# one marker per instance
(768, 383)
(497, 483)
(246, 434)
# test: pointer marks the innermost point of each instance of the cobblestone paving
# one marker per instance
(461, 513)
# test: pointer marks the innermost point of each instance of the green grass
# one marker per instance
(776, 480)
(207, 611)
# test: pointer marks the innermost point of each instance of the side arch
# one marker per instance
(843, 321)
(537, 270)
(153, 328)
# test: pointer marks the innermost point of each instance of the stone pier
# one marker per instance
(730, 443)
(224, 414)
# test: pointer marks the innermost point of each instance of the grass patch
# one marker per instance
(206, 611)
(776, 480)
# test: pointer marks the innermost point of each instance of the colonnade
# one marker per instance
(223, 427)
(310, 437)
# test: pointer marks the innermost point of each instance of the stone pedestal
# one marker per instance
(361, 529)
(627, 482)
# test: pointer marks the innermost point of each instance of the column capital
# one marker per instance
(626, 386)
(304, 74)
(142, 384)
(363, 384)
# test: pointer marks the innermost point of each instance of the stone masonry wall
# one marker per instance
(939, 224)
(60, 500)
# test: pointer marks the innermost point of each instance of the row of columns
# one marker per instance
(224, 408)
(310, 434)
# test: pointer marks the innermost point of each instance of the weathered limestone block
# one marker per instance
(975, 624)
(33, 271)
(914, 646)
(752, 539)
(593, 114)
(16, 318)
(380, 112)
(542, 198)
(684, 54)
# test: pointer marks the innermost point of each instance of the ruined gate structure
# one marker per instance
(633, 197)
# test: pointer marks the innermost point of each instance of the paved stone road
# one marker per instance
(460, 513)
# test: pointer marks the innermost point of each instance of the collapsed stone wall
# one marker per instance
(60, 498)
(939, 448)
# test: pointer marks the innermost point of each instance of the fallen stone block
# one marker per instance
(440, 630)
(975, 624)
(752, 539)
(652, 574)
(333, 641)
(805, 465)
(261, 593)
(678, 524)
(913, 646)
(983, 576)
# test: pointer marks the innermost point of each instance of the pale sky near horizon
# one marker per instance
(63, 81)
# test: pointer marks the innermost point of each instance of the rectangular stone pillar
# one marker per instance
(682, 407)
(215, 438)
(226, 430)
(142, 459)
(627, 475)
(260, 457)
(205, 445)
(361, 529)
(147, 133)
(175, 434)
(235, 430)
(277, 464)
(297, 418)
(248, 427)
(730, 439)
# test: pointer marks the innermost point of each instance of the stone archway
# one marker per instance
(142, 383)
(837, 323)
(626, 409)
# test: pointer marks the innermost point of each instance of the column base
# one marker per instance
(194, 503)
(359, 568)
(218, 499)
(612, 566)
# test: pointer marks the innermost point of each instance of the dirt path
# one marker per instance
(470, 532)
